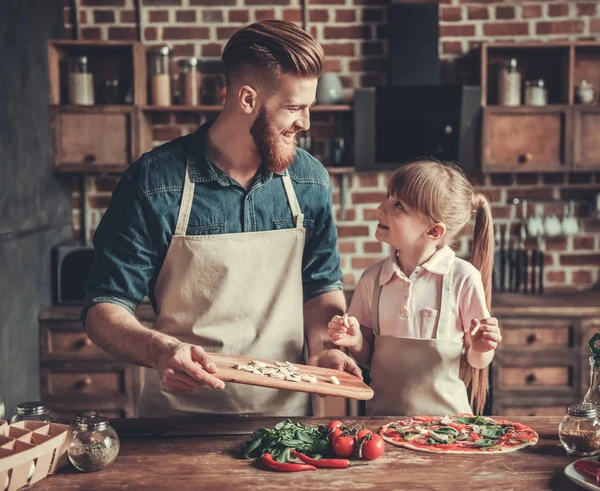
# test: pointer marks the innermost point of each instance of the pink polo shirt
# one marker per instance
(409, 307)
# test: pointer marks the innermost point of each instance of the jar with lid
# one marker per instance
(112, 91)
(190, 81)
(81, 81)
(93, 443)
(579, 431)
(536, 93)
(32, 411)
(509, 84)
(160, 76)
(592, 395)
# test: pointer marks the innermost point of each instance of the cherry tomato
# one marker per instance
(344, 446)
(372, 447)
(363, 433)
(334, 434)
(336, 423)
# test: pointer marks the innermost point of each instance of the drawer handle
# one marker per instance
(82, 343)
(89, 158)
(525, 157)
(531, 378)
(83, 383)
(532, 338)
(532, 414)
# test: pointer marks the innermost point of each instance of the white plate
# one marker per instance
(579, 479)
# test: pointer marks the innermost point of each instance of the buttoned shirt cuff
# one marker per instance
(310, 293)
(92, 299)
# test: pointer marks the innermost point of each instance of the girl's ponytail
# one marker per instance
(482, 257)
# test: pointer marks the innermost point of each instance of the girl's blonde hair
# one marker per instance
(441, 193)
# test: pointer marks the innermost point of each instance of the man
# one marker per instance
(230, 232)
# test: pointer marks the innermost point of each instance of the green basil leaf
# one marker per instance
(485, 442)
(493, 432)
(475, 420)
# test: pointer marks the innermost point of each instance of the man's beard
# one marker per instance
(275, 154)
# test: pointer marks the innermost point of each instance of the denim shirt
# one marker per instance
(133, 237)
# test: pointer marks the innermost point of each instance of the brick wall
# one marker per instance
(353, 33)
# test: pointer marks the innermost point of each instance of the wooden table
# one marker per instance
(209, 459)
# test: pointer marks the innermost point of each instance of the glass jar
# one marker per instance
(112, 92)
(592, 395)
(190, 81)
(536, 93)
(579, 431)
(160, 76)
(32, 411)
(509, 84)
(81, 82)
(93, 443)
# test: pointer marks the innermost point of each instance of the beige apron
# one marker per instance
(417, 376)
(236, 294)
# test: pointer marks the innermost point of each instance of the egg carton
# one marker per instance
(29, 451)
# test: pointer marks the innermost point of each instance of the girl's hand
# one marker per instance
(485, 334)
(345, 332)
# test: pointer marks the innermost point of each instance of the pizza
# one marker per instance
(459, 434)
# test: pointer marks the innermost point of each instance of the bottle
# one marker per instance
(579, 430)
(190, 81)
(593, 394)
(160, 77)
(93, 443)
(32, 411)
(509, 84)
(81, 82)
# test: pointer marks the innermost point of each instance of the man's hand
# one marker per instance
(184, 367)
(338, 360)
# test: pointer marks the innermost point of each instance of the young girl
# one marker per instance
(419, 319)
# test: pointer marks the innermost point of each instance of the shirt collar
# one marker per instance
(203, 170)
(440, 263)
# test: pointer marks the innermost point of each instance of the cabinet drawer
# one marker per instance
(88, 141)
(88, 383)
(63, 343)
(586, 145)
(524, 141)
(550, 377)
(535, 334)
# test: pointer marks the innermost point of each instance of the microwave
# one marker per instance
(397, 124)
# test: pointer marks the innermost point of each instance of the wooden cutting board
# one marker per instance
(350, 386)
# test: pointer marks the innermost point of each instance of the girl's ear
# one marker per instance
(437, 232)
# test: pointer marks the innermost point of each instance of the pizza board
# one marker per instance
(579, 479)
(350, 386)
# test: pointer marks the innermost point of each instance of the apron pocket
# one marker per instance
(210, 229)
(284, 223)
(428, 320)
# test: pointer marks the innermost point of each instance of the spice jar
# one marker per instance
(585, 93)
(509, 84)
(32, 411)
(579, 431)
(536, 93)
(592, 395)
(190, 81)
(111, 91)
(160, 77)
(93, 443)
(81, 82)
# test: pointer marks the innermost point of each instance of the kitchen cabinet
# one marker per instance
(541, 365)
(560, 136)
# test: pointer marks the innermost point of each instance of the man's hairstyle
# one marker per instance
(269, 48)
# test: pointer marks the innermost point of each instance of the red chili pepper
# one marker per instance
(270, 463)
(589, 468)
(323, 463)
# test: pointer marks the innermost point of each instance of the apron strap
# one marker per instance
(444, 321)
(186, 202)
(375, 303)
(292, 200)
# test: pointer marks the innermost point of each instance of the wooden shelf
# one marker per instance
(78, 169)
(550, 108)
(339, 170)
(95, 109)
(214, 108)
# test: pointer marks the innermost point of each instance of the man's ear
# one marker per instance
(436, 232)
(248, 99)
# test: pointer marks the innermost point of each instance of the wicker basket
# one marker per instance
(29, 451)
